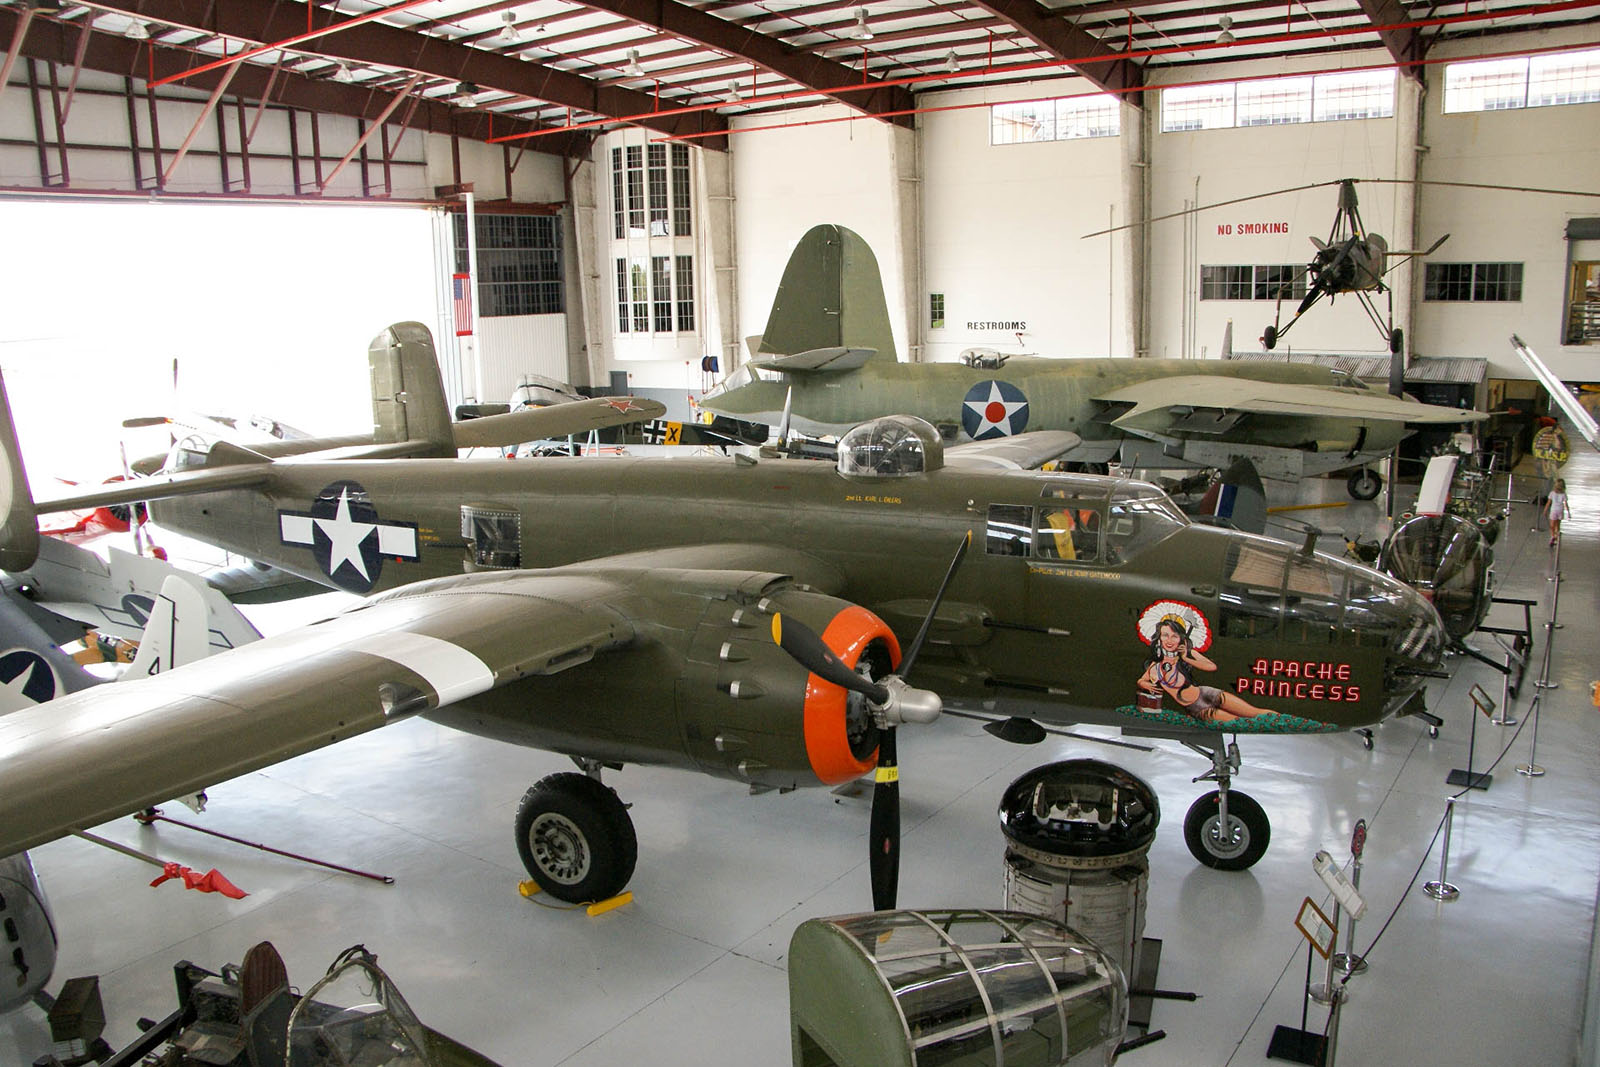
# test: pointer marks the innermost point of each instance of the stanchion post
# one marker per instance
(1440, 888)
(1347, 962)
(1325, 992)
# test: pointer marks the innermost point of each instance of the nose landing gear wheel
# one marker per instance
(1233, 847)
(575, 838)
(1364, 484)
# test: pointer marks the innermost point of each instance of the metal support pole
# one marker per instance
(1505, 718)
(1326, 992)
(205, 113)
(1347, 962)
(1440, 888)
(1532, 769)
(24, 20)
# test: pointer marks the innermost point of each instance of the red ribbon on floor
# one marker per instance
(212, 881)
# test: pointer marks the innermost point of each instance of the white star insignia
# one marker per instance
(345, 537)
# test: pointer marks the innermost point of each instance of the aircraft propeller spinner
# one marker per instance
(893, 702)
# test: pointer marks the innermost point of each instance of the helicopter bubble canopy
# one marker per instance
(891, 447)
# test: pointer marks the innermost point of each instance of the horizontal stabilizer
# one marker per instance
(163, 486)
(555, 420)
(818, 359)
(1024, 451)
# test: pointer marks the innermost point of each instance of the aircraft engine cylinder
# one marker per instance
(749, 711)
(27, 933)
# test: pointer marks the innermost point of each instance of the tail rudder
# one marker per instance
(19, 523)
(408, 401)
(177, 632)
(831, 296)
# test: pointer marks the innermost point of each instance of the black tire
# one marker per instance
(1248, 832)
(1397, 341)
(1363, 484)
(1269, 338)
(575, 838)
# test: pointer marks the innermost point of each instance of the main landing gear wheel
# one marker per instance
(575, 838)
(1227, 848)
(1364, 484)
(1397, 341)
(1269, 338)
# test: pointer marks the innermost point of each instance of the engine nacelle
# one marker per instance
(27, 934)
(749, 711)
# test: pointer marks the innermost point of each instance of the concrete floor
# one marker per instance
(692, 972)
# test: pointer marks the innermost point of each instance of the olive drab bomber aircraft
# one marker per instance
(826, 362)
(740, 617)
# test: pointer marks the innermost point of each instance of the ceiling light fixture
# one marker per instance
(342, 75)
(1226, 36)
(861, 32)
(136, 31)
(733, 95)
(632, 67)
(509, 33)
(952, 65)
(466, 94)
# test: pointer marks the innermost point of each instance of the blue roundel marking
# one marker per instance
(26, 670)
(993, 409)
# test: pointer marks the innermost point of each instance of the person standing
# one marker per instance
(1556, 503)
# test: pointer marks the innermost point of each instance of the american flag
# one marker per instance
(461, 294)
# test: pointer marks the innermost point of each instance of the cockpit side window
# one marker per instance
(1134, 524)
(1010, 531)
(1068, 530)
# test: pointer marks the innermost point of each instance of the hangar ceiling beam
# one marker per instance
(52, 41)
(1067, 42)
(804, 68)
(376, 44)
(1406, 45)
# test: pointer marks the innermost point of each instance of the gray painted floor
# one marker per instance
(692, 972)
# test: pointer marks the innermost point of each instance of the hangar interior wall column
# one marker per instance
(1133, 244)
(1410, 111)
(588, 356)
(906, 150)
(717, 207)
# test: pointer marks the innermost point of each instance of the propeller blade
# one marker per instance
(807, 649)
(883, 835)
(927, 620)
(147, 420)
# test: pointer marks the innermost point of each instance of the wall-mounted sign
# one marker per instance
(1250, 229)
(998, 324)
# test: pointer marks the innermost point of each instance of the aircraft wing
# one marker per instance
(1202, 398)
(818, 359)
(90, 757)
(202, 480)
(1021, 451)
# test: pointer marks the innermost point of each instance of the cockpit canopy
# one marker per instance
(891, 447)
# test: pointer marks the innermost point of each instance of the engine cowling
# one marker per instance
(27, 933)
(750, 712)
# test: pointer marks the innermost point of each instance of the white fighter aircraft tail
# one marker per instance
(177, 632)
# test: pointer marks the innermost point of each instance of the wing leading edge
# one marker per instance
(1160, 396)
(86, 758)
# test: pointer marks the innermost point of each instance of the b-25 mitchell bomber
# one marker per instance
(669, 613)
(827, 361)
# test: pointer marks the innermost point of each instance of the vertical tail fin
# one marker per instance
(831, 296)
(408, 401)
(19, 524)
(177, 632)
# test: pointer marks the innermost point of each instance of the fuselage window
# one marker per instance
(1010, 530)
(493, 536)
(1068, 532)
